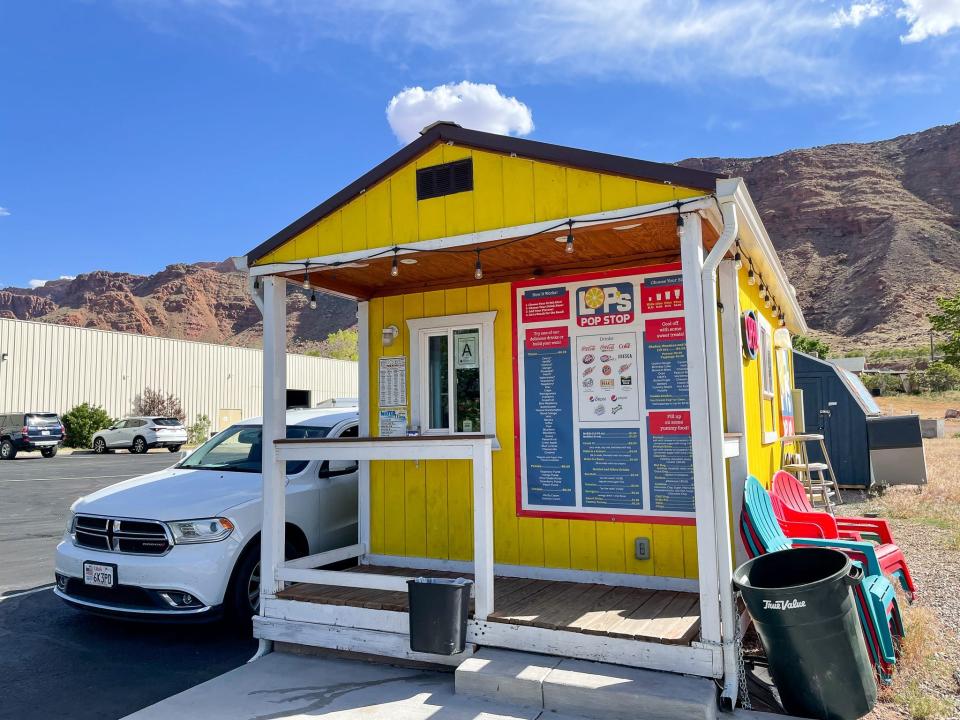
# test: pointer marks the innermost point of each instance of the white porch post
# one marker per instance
(363, 489)
(691, 255)
(274, 428)
(733, 391)
(483, 529)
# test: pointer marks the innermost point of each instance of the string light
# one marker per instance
(569, 237)
(679, 222)
(751, 275)
(737, 262)
(313, 300)
(394, 268)
(256, 283)
(478, 268)
(306, 275)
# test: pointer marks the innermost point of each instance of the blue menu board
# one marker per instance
(665, 363)
(548, 396)
(670, 476)
(610, 470)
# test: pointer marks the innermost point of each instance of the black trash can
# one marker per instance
(438, 614)
(805, 613)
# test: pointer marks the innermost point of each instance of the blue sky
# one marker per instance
(139, 133)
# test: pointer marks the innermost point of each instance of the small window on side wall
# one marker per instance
(766, 359)
(451, 367)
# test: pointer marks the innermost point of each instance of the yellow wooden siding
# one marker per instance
(764, 458)
(508, 191)
(426, 510)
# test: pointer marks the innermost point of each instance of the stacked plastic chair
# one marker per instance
(876, 599)
(787, 493)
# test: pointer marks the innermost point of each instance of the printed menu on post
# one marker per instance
(603, 403)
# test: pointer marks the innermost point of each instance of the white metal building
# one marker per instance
(55, 367)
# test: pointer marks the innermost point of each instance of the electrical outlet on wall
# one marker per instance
(642, 548)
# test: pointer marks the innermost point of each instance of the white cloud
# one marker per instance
(4, 212)
(472, 105)
(857, 13)
(34, 284)
(929, 18)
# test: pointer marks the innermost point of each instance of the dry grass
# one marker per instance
(926, 525)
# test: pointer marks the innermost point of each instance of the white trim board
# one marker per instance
(647, 582)
(385, 632)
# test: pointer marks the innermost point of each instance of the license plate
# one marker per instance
(99, 575)
(44, 432)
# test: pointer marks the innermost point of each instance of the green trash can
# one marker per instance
(804, 610)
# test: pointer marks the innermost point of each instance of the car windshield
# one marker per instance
(42, 419)
(166, 422)
(240, 449)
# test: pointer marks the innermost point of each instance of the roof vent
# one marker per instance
(446, 179)
(432, 125)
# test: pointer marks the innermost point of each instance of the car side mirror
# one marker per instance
(339, 469)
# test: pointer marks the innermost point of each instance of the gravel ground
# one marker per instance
(934, 559)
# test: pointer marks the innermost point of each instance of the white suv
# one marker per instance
(139, 434)
(184, 543)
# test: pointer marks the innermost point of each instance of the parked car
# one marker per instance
(139, 434)
(29, 431)
(184, 543)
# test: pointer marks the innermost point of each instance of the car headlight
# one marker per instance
(70, 517)
(200, 531)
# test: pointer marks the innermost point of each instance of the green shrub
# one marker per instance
(811, 346)
(880, 381)
(941, 377)
(82, 422)
(199, 432)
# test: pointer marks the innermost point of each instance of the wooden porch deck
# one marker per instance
(659, 616)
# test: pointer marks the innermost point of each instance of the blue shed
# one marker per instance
(836, 405)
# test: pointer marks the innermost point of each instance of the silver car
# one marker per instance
(139, 434)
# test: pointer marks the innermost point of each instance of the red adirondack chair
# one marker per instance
(819, 524)
(794, 497)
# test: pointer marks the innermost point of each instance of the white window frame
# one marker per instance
(420, 330)
(765, 353)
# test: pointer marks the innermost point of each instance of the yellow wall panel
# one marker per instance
(667, 550)
(583, 191)
(403, 207)
(618, 192)
(305, 244)
(530, 536)
(610, 555)
(330, 234)
(375, 319)
(394, 491)
(355, 224)
(438, 542)
(379, 215)
(487, 191)
(431, 213)
(690, 569)
(517, 191)
(583, 544)
(556, 543)
(549, 192)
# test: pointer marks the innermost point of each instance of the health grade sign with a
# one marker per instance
(602, 401)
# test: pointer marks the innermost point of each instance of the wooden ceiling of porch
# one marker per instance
(624, 243)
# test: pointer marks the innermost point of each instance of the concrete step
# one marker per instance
(585, 689)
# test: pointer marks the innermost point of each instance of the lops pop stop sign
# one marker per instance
(605, 305)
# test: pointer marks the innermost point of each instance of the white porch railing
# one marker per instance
(476, 448)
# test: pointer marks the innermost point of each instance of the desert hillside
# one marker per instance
(869, 233)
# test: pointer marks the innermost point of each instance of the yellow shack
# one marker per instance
(569, 362)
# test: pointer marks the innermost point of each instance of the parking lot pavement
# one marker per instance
(56, 662)
(35, 494)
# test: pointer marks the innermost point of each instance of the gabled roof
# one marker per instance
(530, 149)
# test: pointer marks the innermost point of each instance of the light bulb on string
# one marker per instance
(737, 260)
(679, 223)
(306, 276)
(478, 268)
(256, 283)
(394, 268)
(570, 237)
(766, 301)
(313, 300)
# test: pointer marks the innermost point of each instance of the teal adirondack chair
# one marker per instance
(876, 599)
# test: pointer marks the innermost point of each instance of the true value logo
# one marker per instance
(783, 604)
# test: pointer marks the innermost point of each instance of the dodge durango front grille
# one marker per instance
(132, 537)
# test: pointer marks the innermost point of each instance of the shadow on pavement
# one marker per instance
(56, 662)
